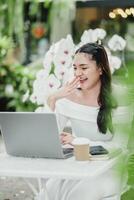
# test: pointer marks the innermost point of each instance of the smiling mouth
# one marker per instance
(83, 80)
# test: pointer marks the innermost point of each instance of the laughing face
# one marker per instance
(86, 69)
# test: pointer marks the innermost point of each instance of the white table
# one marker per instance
(43, 169)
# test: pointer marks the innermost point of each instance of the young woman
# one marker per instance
(87, 102)
(88, 96)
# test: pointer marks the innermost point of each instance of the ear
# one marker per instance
(100, 70)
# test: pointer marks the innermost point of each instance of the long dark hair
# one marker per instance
(106, 100)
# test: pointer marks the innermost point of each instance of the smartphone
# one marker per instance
(94, 150)
(98, 150)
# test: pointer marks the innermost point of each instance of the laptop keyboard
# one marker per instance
(67, 150)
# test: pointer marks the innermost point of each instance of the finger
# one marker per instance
(65, 142)
(61, 139)
(71, 81)
(64, 133)
(71, 89)
(74, 79)
(75, 85)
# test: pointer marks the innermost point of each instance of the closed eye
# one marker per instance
(84, 68)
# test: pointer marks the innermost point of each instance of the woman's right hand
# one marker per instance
(64, 91)
(67, 89)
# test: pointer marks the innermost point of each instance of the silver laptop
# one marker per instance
(32, 135)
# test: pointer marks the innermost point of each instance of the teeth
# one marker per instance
(83, 79)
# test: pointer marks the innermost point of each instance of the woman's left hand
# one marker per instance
(66, 138)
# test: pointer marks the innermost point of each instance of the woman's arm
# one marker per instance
(51, 102)
(63, 92)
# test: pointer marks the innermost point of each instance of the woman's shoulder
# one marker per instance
(69, 107)
(74, 110)
(68, 101)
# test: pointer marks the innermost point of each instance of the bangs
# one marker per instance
(92, 52)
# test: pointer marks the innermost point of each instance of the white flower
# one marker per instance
(9, 89)
(65, 46)
(43, 109)
(40, 109)
(25, 96)
(117, 43)
(92, 35)
(69, 75)
(33, 98)
(64, 50)
(88, 36)
(60, 72)
(39, 85)
(60, 54)
(44, 87)
(39, 98)
(100, 33)
(39, 91)
(47, 62)
(114, 62)
(62, 61)
(69, 46)
(52, 83)
(42, 74)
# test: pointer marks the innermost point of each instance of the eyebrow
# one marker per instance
(81, 65)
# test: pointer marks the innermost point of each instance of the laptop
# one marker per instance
(29, 134)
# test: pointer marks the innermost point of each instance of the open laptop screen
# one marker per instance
(31, 134)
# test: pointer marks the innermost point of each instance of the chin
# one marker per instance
(85, 87)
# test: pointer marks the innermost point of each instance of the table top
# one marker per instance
(52, 168)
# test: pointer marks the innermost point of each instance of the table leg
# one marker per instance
(31, 186)
(41, 193)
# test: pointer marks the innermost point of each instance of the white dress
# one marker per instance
(83, 123)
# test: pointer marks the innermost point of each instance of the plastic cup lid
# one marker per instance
(80, 141)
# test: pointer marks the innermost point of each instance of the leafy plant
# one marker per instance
(5, 45)
(15, 83)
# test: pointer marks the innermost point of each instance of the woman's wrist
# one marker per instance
(58, 95)
(51, 102)
(53, 98)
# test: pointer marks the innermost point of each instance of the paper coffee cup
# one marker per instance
(81, 149)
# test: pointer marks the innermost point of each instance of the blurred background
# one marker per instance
(29, 27)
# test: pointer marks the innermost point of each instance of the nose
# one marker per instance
(78, 72)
